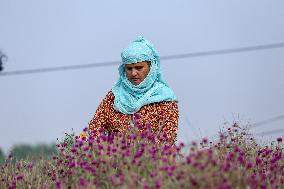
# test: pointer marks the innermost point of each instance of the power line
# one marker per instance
(261, 123)
(272, 132)
(169, 57)
(270, 120)
(225, 51)
(61, 68)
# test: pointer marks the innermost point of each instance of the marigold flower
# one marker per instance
(83, 136)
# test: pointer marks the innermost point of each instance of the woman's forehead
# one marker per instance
(137, 64)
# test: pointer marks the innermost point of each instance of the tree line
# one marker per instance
(24, 151)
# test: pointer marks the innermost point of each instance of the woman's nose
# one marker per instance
(133, 72)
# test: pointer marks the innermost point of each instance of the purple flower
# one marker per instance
(71, 164)
(221, 136)
(158, 183)
(114, 150)
(136, 116)
(241, 159)
(81, 143)
(73, 150)
(94, 172)
(20, 177)
(100, 147)
(181, 144)
(70, 172)
(230, 156)
(249, 165)
(279, 139)
(262, 176)
(148, 126)
(64, 144)
(194, 182)
(88, 168)
(94, 162)
(82, 182)
(263, 186)
(146, 186)
(139, 153)
(258, 161)
(86, 148)
(58, 184)
(139, 126)
(82, 163)
(205, 140)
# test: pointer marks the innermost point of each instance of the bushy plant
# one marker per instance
(140, 158)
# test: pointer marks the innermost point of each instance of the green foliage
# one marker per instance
(2, 156)
(23, 151)
(68, 140)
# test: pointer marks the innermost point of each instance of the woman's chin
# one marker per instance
(135, 82)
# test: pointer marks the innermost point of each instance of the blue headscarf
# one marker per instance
(130, 98)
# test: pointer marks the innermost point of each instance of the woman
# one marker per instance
(140, 94)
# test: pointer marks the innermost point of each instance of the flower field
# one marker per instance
(141, 159)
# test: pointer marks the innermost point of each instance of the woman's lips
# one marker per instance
(135, 80)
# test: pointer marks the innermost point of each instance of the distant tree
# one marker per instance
(2, 156)
(2, 58)
(24, 151)
(21, 151)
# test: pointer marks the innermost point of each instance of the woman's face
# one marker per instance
(137, 72)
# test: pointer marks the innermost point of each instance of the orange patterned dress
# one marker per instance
(162, 116)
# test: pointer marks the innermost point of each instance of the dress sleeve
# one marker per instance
(169, 119)
(100, 119)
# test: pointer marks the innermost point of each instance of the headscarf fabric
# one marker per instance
(130, 98)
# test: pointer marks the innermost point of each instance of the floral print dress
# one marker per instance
(162, 116)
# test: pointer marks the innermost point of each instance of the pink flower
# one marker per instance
(58, 184)
(82, 182)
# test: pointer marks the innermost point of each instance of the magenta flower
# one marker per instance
(82, 163)
(71, 164)
(94, 172)
(136, 116)
(73, 150)
(94, 162)
(86, 148)
(88, 168)
(146, 186)
(205, 140)
(263, 186)
(58, 184)
(258, 161)
(82, 182)
(158, 184)
(20, 177)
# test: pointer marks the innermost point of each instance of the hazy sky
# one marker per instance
(248, 86)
